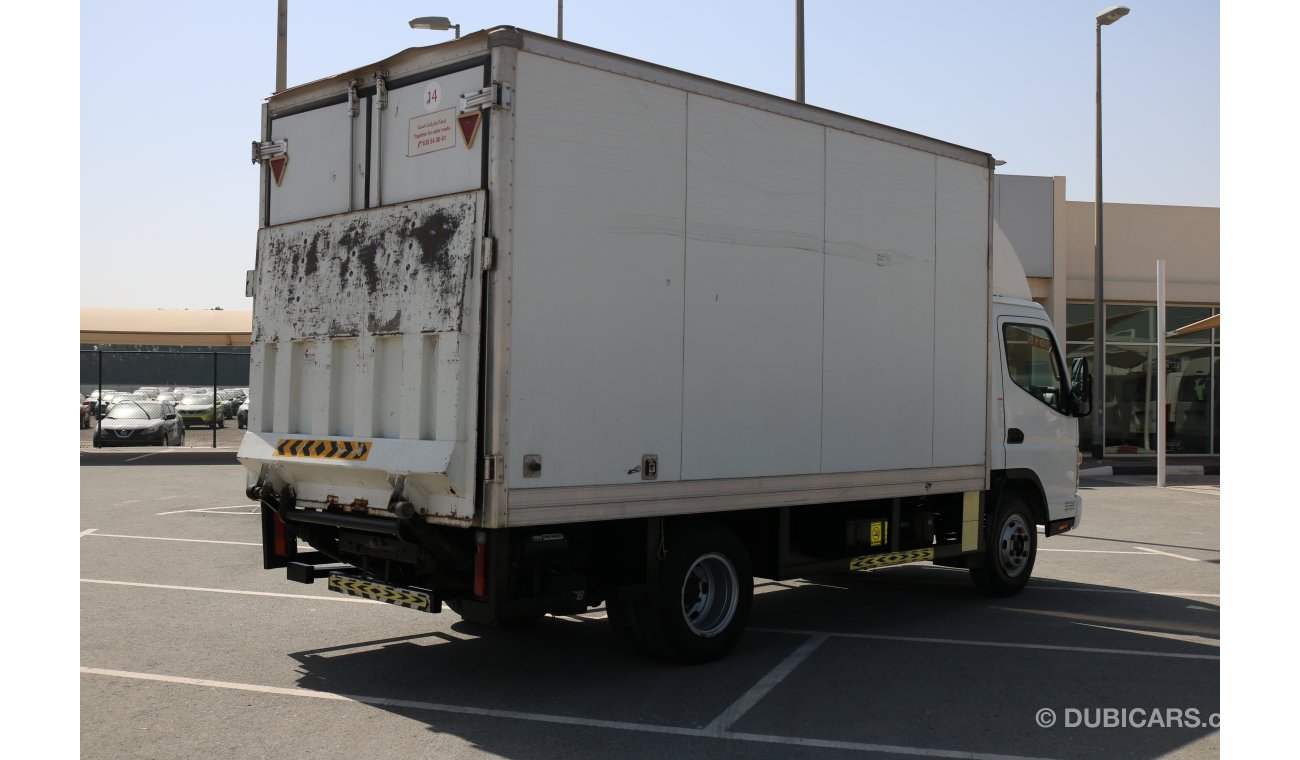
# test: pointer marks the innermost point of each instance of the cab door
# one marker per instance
(1039, 432)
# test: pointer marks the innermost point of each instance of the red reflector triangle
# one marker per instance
(278, 165)
(469, 123)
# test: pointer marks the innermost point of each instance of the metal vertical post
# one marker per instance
(214, 399)
(1099, 316)
(559, 20)
(798, 50)
(1213, 404)
(99, 401)
(281, 45)
(1162, 416)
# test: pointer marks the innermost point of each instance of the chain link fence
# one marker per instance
(204, 388)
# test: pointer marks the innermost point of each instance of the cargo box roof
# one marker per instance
(418, 63)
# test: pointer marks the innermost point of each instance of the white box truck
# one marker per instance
(538, 327)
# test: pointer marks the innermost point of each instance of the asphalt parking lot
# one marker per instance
(189, 649)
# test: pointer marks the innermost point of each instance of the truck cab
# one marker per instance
(1034, 430)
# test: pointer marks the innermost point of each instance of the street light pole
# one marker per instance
(281, 43)
(559, 20)
(798, 50)
(1105, 18)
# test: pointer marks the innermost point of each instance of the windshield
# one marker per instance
(135, 410)
(196, 400)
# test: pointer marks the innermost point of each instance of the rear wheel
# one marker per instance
(1010, 548)
(700, 606)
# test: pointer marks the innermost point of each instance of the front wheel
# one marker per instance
(1010, 548)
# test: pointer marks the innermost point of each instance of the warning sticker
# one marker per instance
(381, 592)
(322, 449)
(278, 165)
(469, 123)
(891, 558)
(430, 132)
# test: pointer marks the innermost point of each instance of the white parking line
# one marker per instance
(206, 509)
(565, 720)
(336, 598)
(737, 709)
(189, 540)
(1167, 554)
(142, 456)
(1091, 551)
(998, 644)
(88, 531)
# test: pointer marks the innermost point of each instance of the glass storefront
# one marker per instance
(1191, 411)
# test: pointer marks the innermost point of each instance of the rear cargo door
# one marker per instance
(365, 356)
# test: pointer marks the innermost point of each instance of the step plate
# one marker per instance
(382, 592)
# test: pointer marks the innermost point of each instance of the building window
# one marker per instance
(1191, 408)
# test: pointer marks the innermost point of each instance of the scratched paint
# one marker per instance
(395, 269)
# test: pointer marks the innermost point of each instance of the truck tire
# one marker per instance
(1010, 548)
(699, 608)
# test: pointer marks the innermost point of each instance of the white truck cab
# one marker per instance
(1035, 430)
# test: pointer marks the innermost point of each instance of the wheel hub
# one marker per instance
(1013, 545)
(710, 594)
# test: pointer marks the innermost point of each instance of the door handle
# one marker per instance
(1015, 435)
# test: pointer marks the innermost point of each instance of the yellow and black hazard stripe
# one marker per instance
(415, 600)
(320, 449)
(891, 558)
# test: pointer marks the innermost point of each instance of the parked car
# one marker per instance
(100, 401)
(119, 397)
(148, 391)
(229, 401)
(87, 412)
(241, 417)
(140, 423)
(202, 410)
(171, 398)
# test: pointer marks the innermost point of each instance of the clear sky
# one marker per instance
(170, 97)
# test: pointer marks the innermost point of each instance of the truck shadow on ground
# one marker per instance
(915, 658)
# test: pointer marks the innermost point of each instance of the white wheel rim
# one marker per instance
(710, 595)
(1013, 546)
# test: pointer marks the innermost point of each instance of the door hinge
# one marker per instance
(263, 151)
(494, 470)
(354, 102)
(489, 254)
(495, 95)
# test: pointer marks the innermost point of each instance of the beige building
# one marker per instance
(165, 327)
(1054, 239)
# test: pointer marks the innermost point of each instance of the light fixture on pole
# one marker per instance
(1105, 18)
(435, 23)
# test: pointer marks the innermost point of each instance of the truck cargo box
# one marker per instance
(517, 281)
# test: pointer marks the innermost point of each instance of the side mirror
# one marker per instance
(1081, 387)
